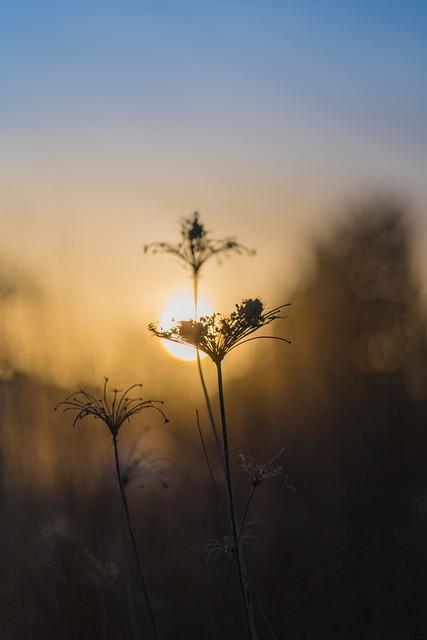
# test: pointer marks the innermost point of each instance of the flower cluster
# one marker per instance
(225, 547)
(196, 247)
(114, 407)
(216, 335)
(258, 473)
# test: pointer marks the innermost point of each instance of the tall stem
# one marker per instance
(230, 566)
(133, 540)
(199, 366)
(244, 588)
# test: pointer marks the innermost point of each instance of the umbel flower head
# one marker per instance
(225, 547)
(216, 335)
(196, 247)
(114, 407)
(257, 473)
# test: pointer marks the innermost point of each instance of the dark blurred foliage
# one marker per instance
(342, 557)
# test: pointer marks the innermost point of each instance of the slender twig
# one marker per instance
(230, 566)
(260, 338)
(244, 589)
(133, 540)
(202, 377)
(245, 512)
(263, 614)
(208, 464)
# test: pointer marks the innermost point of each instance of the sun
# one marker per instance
(182, 308)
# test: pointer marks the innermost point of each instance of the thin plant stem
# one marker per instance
(263, 614)
(201, 375)
(208, 464)
(245, 512)
(244, 588)
(130, 598)
(133, 540)
(230, 566)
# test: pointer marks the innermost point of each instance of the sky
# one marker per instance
(118, 119)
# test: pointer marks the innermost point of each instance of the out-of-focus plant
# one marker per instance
(257, 474)
(139, 467)
(217, 335)
(196, 247)
(114, 408)
(225, 546)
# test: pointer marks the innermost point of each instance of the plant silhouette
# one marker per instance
(114, 411)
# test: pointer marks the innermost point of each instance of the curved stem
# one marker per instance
(133, 540)
(236, 531)
(209, 466)
(201, 375)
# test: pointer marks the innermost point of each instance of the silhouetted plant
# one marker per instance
(195, 248)
(217, 335)
(258, 473)
(113, 412)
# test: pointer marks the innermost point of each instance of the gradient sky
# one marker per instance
(117, 119)
(286, 91)
(209, 79)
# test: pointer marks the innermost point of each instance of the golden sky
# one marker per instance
(116, 124)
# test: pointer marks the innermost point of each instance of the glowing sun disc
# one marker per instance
(182, 308)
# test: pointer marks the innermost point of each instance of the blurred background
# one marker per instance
(300, 130)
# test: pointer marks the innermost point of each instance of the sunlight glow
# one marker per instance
(182, 308)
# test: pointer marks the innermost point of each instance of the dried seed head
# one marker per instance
(196, 247)
(258, 473)
(192, 229)
(113, 408)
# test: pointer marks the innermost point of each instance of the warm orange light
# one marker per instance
(182, 308)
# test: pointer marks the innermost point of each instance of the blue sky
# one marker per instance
(360, 63)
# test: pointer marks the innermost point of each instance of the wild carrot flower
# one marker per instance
(193, 250)
(258, 473)
(196, 246)
(217, 335)
(113, 409)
